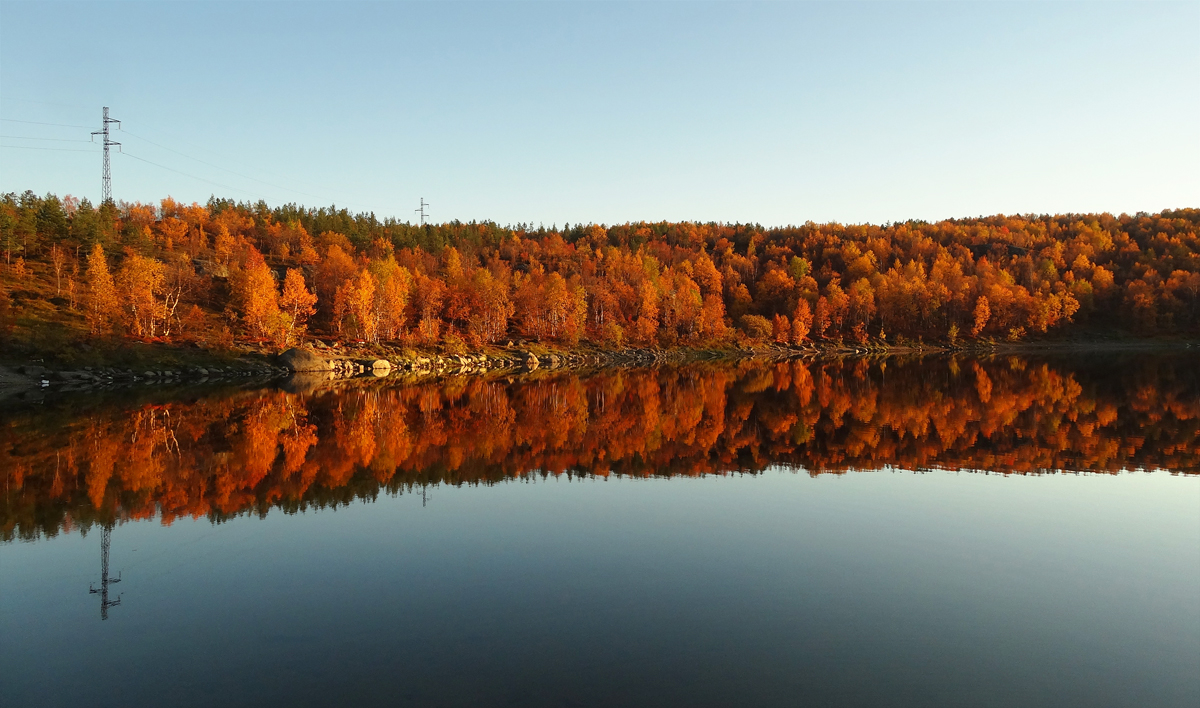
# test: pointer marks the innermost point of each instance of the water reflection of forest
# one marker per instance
(224, 453)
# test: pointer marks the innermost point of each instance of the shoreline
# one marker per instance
(175, 365)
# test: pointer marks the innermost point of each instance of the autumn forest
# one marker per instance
(223, 274)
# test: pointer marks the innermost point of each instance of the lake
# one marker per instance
(1008, 531)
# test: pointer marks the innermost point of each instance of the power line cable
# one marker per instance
(223, 169)
(37, 122)
(185, 174)
(44, 103)
(238, 174)
(56, 140)
(164, 147)
(34, 147)
(148, 162)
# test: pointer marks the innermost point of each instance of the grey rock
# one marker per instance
(297, 359)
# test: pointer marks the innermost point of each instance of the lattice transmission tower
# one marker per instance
(421, 211)
(107, 180)
(105, 581)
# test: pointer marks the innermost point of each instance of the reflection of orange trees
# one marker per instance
(250, 451)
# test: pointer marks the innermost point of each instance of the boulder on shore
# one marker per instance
(381, 365)
(297, 359)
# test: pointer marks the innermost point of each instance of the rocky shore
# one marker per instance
(333, 362)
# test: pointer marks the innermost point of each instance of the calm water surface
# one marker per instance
(937, 532)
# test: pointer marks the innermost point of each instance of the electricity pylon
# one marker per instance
(106, 183)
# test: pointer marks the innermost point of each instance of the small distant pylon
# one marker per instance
(421, 211)
(106, 181)
(105, 581)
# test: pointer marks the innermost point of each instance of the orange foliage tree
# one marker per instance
(297, 303)
(102, 303)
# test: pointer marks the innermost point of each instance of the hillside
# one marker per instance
(224, 276)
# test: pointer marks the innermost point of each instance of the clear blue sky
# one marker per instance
(574, 112)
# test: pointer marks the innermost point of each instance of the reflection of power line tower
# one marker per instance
(105, 581)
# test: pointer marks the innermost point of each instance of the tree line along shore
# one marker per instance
(125, 283)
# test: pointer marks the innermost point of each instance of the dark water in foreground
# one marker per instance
(706, 535)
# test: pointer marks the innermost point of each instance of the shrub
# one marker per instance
(756, 327)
